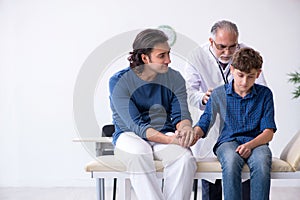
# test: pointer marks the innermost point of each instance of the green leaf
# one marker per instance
(295, 79)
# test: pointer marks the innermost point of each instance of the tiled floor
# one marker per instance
(61, 193)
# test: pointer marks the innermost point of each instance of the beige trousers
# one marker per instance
(138, 155)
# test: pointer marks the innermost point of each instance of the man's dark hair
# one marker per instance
(144, 44)
(246, 59)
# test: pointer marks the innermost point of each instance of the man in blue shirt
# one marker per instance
(152, 121)
(246, 113)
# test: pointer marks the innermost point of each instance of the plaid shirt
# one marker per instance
(242, 119)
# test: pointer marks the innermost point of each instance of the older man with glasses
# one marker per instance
(208, 67)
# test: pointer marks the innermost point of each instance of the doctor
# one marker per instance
(208, 66)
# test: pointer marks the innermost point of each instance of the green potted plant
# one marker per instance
(295, 79)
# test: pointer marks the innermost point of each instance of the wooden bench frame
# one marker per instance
(108, 167)
(124, 185)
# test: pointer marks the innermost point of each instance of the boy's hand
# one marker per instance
(185, 136)
(196, 138)
(244, 151)
(198, 132)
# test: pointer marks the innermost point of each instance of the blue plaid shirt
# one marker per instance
(242, 119)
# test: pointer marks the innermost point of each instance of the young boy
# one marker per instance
(246, 112)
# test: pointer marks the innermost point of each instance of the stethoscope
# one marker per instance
(225, 78)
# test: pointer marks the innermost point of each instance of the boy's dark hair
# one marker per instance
(246, 59)
(143, 44)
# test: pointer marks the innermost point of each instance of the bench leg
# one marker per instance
(114, 189)
(195, 187)
(124, 189)
(100, 189)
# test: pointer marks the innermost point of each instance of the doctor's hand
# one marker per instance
(206, 96)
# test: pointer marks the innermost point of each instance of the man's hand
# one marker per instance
(244, 151)
(186, 136)
(174, 139)
(206, 96)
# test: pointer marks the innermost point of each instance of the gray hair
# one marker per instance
(223, 24)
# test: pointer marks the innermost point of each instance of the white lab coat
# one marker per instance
(201, 73)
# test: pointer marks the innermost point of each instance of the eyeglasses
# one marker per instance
(222, 47)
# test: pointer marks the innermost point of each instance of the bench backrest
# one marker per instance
(291, 152)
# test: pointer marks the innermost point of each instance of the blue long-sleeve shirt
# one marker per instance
(242, 119)
(138, 105)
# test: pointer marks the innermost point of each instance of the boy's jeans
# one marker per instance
(232, 163)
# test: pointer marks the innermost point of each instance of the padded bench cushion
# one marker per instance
(109, 163)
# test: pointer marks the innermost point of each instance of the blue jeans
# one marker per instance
(232, 163)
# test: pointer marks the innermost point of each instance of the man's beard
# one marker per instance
(224, 61)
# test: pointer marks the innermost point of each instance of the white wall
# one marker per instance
(45, 43)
